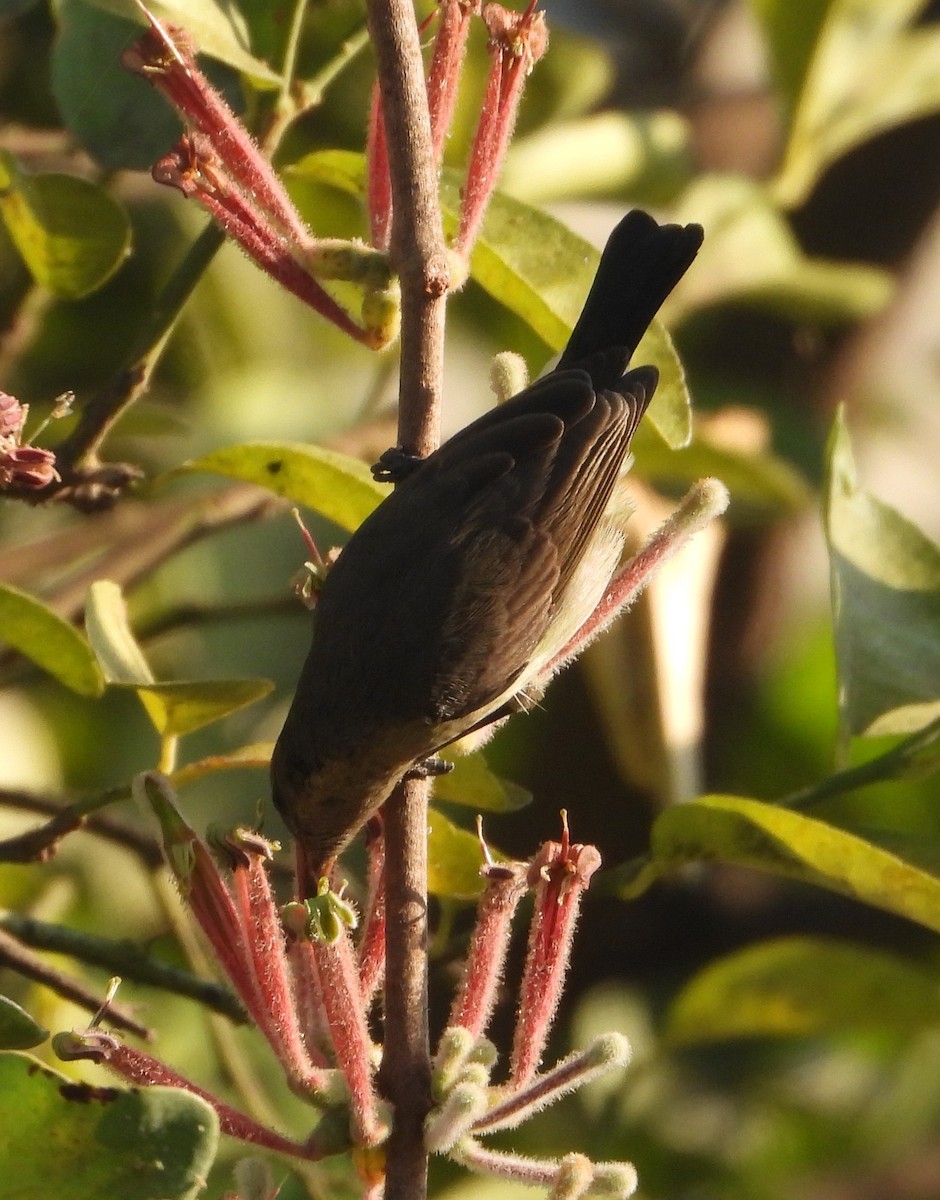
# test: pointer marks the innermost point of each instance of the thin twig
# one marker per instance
(126, 958)
(16, 956)
(66, 818)
(419, 256)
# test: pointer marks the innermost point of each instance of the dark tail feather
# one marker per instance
(641, 264)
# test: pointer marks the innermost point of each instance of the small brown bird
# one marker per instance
(447, 605)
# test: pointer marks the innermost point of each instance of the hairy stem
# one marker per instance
(420, 258)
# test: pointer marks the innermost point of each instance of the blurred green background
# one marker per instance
(804, 138)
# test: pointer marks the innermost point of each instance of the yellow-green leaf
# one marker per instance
(473, 784)
(454, 860)
(873, 68)
(255, 757)
(336, 485)
(71, 234)
(112, 640)
(218, 30)
(49, 641)
(182, 707)
(801, 986)
(751, 256)
(18, 1030)
(734, 829)
(73, 1141)
(886, 605)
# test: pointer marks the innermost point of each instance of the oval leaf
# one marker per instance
(869, 74)
(454, 860)
(49, 641)
(70, 233)
(538, 269)
(336, 485)
(109, 632)
(886, 604)
(751, 256)
(73, 1141)
(733, 829)
(473, 784)
(255, 757)
(800, 986)
(218, 30)
(761, 482)
(183, 707)
(18, 1030)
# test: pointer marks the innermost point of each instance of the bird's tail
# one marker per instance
(641, 264)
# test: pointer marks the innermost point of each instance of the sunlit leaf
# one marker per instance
(71, 234)
(74, 1141)
(183, 707)
(473, 784)
(217, 29)
(799, 986)
(758, 481)
(255, 757)
(111, 637)
(606, 153)
(886, 603)
(790, 32)
(336, 485)
(454, 860)
(733, 829)
(49, 641)
(870, 72)
(18, 1030)
(538, 268)
(751, 256)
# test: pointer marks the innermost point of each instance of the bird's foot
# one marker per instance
(395, 465)
(429, 768)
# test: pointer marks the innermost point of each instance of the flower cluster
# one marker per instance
(308, 985)
(21, 465)
(219, 165)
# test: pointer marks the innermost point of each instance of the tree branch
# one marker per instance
(419, 255)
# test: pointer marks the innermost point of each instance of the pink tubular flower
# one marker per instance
(560, 872)
(219, 165)
(141, 1068)
(517, 41)
(450, 46)
(506, 884)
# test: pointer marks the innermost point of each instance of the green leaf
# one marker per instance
(538, 269)
(70, 233)
(886, 603)
(255, 757)
(115, 116)
(75, 1142)
(791, 31)
(18, 1030)
(454, 860)
(217, 29)
(183, 707)
(800, 986)
(611, 153)
(751, 256)
(473, 784)
(49, 641)
(733, 829)
(759, 481)
(109, 632)
(869, 74)
(336, 485)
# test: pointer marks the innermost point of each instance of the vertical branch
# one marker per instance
(420, 258)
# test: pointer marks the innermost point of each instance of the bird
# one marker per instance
(443, 612)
